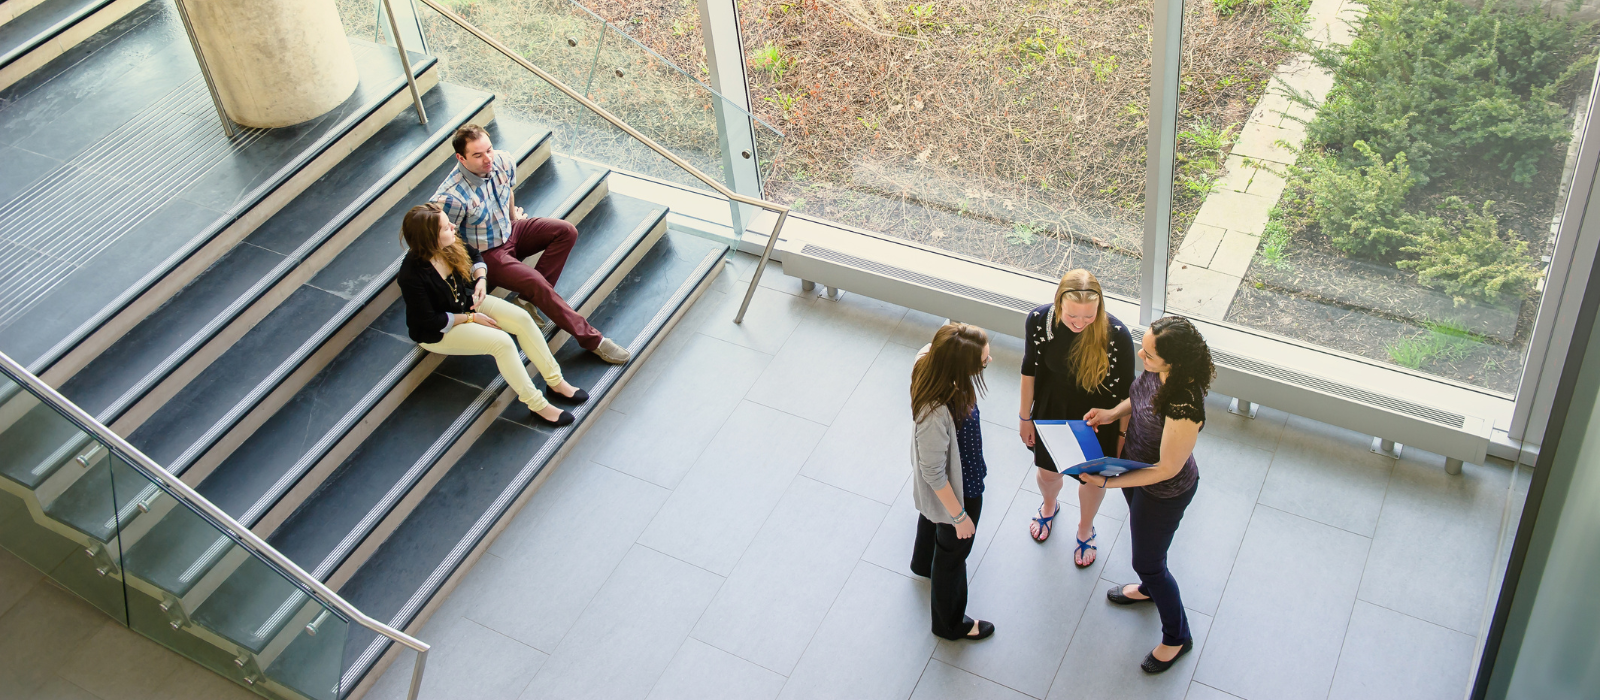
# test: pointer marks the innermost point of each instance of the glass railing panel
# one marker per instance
(106, 529)
(660, 101)
(57, 510)
(682, 114)
(649, 93)
(1389, 180)
(193, 587)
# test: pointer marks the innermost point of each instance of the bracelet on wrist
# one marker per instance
(1025, 417)
(959, 517)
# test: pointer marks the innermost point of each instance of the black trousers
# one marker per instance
(942, 557)
(1151, 524)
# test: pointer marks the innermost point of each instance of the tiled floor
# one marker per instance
(55, 646)
(738, 524)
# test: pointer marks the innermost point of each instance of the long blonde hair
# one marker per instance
(951, 374)
(1089, 356)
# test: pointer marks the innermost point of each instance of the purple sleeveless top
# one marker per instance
(1145, 426)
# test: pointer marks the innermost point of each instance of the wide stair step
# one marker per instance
(451, 523)
(237, 291)
(275, 348)
(409, 446)
(121, 262)
(271, 461)
(34, 33)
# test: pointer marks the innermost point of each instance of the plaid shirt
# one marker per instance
(480, 207)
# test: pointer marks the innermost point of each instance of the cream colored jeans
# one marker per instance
(477, 339)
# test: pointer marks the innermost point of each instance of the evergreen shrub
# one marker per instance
(1441, 81)
(1467, 255)
(1358, 207)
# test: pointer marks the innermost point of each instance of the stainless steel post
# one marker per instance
(205, 70)
(416, 674)
(766, 254)
(405, 63)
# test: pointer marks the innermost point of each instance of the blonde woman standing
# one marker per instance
(1076, 358)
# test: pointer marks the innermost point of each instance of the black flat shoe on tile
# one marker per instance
(985, 631)
(566, 418)
(577, 398)
(1154, 665)
(1115, 595)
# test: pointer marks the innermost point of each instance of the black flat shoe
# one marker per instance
(566, 418)
(1115, 595)
(1154, 665)
(985, 631)
(578, 397)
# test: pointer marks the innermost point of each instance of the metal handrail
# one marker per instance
(194, 500)
(781, 210)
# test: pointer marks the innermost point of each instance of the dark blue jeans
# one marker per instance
(1151, 524)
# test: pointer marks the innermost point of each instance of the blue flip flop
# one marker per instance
(1045, 524)
(1084, 547)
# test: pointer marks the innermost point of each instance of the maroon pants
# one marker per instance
(538, 283)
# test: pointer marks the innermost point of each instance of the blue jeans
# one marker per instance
(1151, 524)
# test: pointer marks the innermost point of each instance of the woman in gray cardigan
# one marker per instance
(947, 465)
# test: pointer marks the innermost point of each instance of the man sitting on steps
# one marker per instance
(478, 198)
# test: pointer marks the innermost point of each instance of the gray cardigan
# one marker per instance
(935, 461)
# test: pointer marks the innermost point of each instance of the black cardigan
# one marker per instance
(428, 296)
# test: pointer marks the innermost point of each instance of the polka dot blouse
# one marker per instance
(969, 441)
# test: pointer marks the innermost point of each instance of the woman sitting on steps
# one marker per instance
(448, 311)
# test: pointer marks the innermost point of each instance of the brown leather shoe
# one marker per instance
(612, 352)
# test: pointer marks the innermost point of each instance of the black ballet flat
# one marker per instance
(566, 418)
(985, 631)
(1154, 665)
(577, 398)
(1115, 595)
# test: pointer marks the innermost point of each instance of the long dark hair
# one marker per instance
(420, 232)
(1181, 346)
(951, 374)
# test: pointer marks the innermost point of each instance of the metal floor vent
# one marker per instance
(898, 273)
(1221, 357)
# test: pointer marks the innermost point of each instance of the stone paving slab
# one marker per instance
(1199, 291)
(1234, 254)
(1222, 241)
(1236, 211)
(1200, 245)
(1274, 144)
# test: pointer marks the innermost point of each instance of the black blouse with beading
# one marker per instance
(1046, 356)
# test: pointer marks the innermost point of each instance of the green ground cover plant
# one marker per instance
(1437, 108)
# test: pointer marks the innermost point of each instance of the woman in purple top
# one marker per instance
(1166, 408)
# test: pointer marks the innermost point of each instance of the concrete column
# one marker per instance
(275, 62)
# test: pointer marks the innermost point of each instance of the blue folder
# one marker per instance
(1074, 442)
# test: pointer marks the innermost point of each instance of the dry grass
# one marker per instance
(1014, 132)
(1026, 120)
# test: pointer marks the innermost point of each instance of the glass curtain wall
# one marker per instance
(1383, 179)
(1394, 189)
(1013, 132)
(594, 57)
